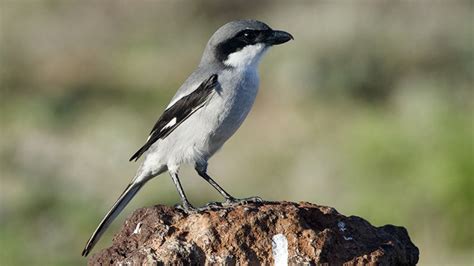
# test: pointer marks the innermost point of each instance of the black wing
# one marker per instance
(178, 113)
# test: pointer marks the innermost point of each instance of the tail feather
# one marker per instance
(118, 206)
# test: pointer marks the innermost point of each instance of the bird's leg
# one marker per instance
(186, 206)
(229, 199)
(202, 171)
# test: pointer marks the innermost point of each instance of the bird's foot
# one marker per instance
(244, 201)
(187, 208)
(211, 206)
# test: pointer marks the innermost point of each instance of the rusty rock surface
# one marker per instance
(256, 233)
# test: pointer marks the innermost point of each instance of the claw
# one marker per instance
(186, 208)
(214, 204)
(189, 209)
(210, 206)
(244, 201)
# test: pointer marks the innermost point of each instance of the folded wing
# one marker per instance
(178, 113)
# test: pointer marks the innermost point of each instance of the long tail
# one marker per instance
(118, 206)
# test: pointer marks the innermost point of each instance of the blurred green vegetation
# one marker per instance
(369, 110)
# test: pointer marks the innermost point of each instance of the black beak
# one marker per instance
(278, 37)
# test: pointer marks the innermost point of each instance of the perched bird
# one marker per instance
(205, 112)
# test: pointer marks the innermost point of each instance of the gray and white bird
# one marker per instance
(205, 112)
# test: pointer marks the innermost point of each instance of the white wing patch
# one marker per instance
(170, 123)
(250, 55)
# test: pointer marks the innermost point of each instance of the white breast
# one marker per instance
(239, 90)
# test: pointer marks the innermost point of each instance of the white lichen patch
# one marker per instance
(342, 226)
(280, 250)
(138, 229)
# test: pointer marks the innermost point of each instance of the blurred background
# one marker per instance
(369, 110)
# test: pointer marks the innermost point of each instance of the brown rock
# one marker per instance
(243, 235)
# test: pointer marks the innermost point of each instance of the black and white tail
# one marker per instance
(118, 206)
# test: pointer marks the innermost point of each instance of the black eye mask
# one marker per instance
(239, 41)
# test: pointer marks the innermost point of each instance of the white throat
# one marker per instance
(247, 57)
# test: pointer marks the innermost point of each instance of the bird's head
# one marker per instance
(242, 43)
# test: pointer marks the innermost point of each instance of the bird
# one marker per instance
(204, 113)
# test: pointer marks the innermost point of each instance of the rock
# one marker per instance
(256, 233)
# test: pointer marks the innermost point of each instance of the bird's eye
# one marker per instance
(249, 35)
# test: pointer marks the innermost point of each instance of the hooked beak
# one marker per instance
(278, 37)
